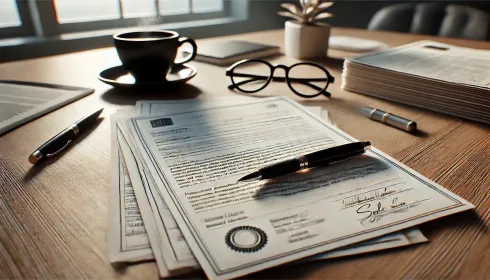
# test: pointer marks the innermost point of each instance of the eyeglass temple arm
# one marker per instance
(254, 78)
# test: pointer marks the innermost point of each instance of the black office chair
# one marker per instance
(433, 19)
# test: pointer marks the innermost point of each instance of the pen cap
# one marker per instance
(390, 119)
(401, 123)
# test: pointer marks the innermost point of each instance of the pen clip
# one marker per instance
(58, 151)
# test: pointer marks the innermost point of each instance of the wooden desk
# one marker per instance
(53, 216)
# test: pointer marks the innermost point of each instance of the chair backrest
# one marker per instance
(433, 19)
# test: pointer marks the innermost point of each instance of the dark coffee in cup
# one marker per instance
(150, 55)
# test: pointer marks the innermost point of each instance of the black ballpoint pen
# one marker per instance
(62, 140)
(323, 157)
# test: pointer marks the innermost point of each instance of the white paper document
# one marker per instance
(235, 228)
(22, 101)
(176, 252)
(127, 238)
(402, 238)
(160, 227)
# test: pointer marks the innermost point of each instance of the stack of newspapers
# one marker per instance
(434, 76)
(175, 197)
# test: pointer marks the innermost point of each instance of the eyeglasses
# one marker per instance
(306, 79)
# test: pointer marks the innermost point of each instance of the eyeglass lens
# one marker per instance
(307, 79)
(251, 76)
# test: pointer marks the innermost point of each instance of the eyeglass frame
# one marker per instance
(287, 79)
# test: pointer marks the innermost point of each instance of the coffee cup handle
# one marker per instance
(190, 56)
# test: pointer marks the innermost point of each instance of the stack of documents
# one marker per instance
(175, 196)
(434, 76)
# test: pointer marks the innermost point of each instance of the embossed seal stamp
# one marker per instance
(246, 239)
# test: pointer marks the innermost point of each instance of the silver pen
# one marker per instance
(389, 119)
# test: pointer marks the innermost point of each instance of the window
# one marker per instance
(90, 10)
(9, 15)
(68, 11)
(14, 19)
(54, 17)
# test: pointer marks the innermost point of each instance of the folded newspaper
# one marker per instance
(142, 227)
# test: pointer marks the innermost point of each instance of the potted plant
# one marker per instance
(305, 35)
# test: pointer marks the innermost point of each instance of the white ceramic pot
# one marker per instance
(306, 41)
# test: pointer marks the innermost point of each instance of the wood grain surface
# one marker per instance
(53, 216)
